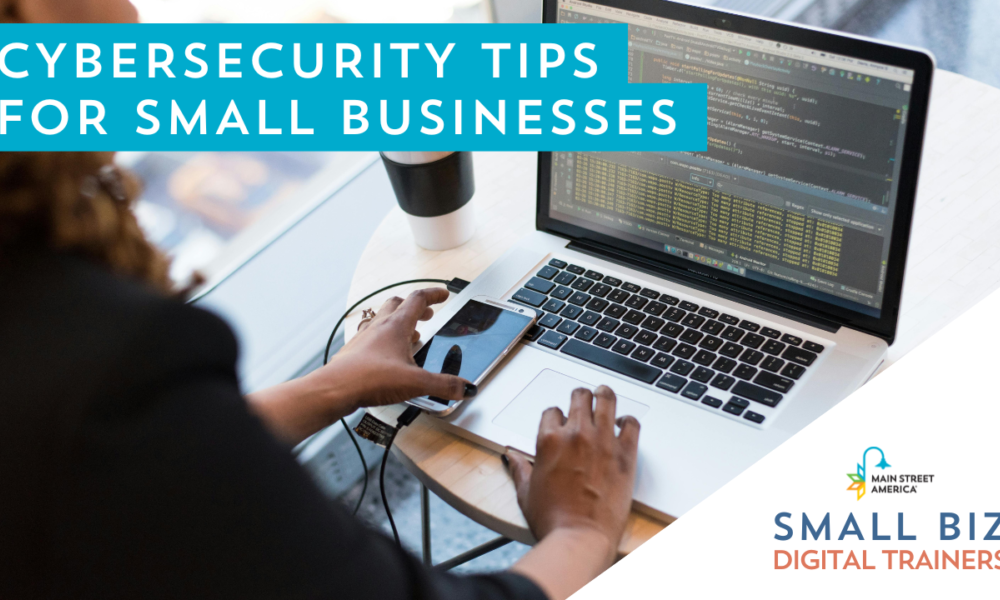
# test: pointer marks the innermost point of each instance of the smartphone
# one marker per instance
(471, 344)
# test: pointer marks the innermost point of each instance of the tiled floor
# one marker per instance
(452, 533)
(961, 33)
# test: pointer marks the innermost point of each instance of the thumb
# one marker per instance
(446, 387)
(520, 471)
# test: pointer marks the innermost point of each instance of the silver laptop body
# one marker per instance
(755, 290)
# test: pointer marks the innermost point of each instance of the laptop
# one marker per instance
(729, 297)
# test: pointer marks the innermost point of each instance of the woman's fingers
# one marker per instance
(604, 413)
(581, 411)
(417, 303)
(413, 308)
(447, 387)
(552, 419)
(629, 436)
(389, 306)
(520, 471)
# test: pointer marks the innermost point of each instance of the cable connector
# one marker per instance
(456, 285)
(408, 416)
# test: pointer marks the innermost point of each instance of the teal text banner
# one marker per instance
(336, 87)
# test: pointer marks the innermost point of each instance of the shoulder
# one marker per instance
(72, 322)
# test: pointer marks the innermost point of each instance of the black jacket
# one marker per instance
(130, 466)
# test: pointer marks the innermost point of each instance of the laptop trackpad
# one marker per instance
(548, 389)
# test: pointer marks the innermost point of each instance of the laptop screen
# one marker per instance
(798, 186)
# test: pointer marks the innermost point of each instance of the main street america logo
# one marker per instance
(858, 480)
(879, 481)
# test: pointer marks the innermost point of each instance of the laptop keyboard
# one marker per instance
(697, 352)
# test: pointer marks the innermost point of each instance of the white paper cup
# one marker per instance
(435, 190)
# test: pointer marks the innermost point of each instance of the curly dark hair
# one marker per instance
(76, 202)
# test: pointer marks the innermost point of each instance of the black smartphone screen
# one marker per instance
(471, 340)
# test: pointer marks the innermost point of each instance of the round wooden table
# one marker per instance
(465, 475)
(961, 168)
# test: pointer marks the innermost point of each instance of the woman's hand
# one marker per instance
(583, 474)
(378, 362)
(577, 495)
(375, 368)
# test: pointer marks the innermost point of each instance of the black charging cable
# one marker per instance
(454, 286)
(408, 416)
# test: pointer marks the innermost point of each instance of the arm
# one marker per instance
(296, 409)
(578, 494)
(375, 368)
(566, 560)
(178, 492)
(576, 497)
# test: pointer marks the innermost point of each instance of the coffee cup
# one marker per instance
(434, 189)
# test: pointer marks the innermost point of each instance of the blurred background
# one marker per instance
(198, 205)
(212, 211)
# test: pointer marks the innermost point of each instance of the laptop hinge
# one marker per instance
(722, 289)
